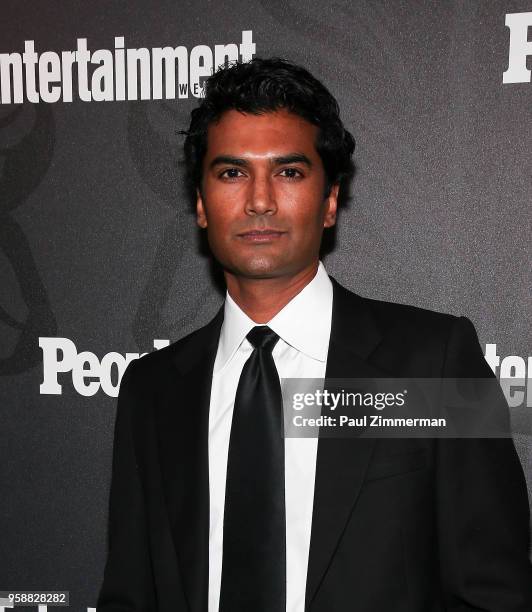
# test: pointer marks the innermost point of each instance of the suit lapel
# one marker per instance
(341, 462)
(183, 419)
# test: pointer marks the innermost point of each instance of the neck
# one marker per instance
(262, 298)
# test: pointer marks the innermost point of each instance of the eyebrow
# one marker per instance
(291, 158)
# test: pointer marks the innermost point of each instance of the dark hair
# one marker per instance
(265, 85)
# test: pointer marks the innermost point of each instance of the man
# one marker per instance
(210, 508)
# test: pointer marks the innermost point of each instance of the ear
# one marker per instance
(201, 217)
(331, 206)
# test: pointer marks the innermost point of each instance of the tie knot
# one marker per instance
(262, 337)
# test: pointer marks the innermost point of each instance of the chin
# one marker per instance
(259, 267)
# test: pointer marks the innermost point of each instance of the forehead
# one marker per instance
(272, 132)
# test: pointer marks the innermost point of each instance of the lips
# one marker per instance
(264, 235)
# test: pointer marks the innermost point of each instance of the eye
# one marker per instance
(231, 173)
(291, 173)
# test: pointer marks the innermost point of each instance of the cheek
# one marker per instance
(305, 210)
(221, 204)
(219, 223)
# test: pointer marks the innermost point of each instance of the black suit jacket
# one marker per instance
(398, 525)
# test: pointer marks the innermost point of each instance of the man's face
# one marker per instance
(262, 198)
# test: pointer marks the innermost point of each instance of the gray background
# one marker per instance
(98, 245)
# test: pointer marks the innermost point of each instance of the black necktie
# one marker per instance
(254, 533)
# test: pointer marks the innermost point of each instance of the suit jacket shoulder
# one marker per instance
(402, 339)
(182, 353)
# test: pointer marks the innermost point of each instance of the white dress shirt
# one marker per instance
(304, 328)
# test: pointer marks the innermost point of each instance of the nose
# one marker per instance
(261, 197)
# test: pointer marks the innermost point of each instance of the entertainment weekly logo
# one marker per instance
(63, 364)
(107, 75)
(520, 48)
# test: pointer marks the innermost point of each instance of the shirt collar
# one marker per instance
(304, 323)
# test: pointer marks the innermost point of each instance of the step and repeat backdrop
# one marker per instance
(100, 257)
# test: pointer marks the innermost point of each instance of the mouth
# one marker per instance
(258, 236)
